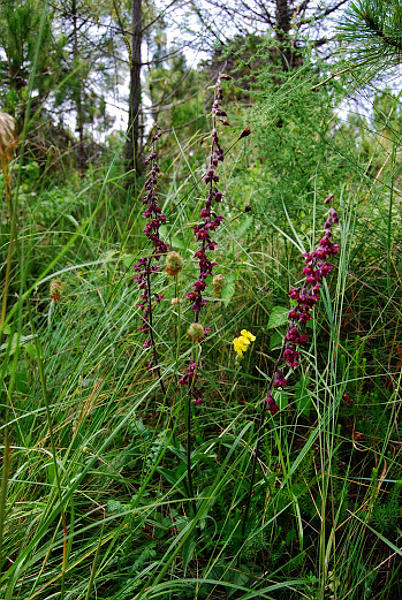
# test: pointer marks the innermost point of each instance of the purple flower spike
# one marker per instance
(145, 265)
(210, 220)
(306, 297)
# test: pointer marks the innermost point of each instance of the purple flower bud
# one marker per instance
(272, 406)
(334, 215)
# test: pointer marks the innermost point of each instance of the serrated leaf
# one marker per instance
(228, 292)
(278, 317)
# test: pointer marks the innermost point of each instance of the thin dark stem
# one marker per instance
(254, 468)
(151, 331)
(257, 448)
(189, 471)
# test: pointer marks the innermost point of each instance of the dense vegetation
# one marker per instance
(201, 342)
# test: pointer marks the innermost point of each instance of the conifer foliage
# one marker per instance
(374, 29)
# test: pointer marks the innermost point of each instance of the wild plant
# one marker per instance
(146, 265)
(305, 298)
(203, 234)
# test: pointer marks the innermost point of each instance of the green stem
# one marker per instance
(189, 444)
(3, 489)
(53, 449)
(6, 457)
(389, 232)
(7, 187)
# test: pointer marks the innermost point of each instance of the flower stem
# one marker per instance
(7, 455)
(189, 446)
(7, 187)
(256, 455)
(151, 331)
(254, 468)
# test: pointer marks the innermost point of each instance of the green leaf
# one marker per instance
(188, 551)
(278, 317)
(243, 227)
(302, 396)
(128, 260)
(179, 242)
(228, 292)
(21, 380)
(31, 351)
(114, 506)
(275, 341)
(282, 400)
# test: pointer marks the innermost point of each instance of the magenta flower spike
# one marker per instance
(146, 265)
(306, 297)
(210, 220)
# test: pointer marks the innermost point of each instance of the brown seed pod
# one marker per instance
(8, 137)
(174, 263)
(196, 332)
(218, 281)
(55, 290)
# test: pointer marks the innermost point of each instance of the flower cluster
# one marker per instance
(306, 297)
(242, 342)
(145, 266)
(211, 220)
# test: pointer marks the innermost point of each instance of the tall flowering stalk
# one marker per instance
(210, 221)
(305, 297)
(146, 266)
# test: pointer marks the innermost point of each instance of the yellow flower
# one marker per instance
(248, 335)
(242, 342)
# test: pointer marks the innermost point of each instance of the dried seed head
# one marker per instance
(55, 290)
(245, 133)
(218, 281)
(8, 137)
(196, 332)
(174, 263)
